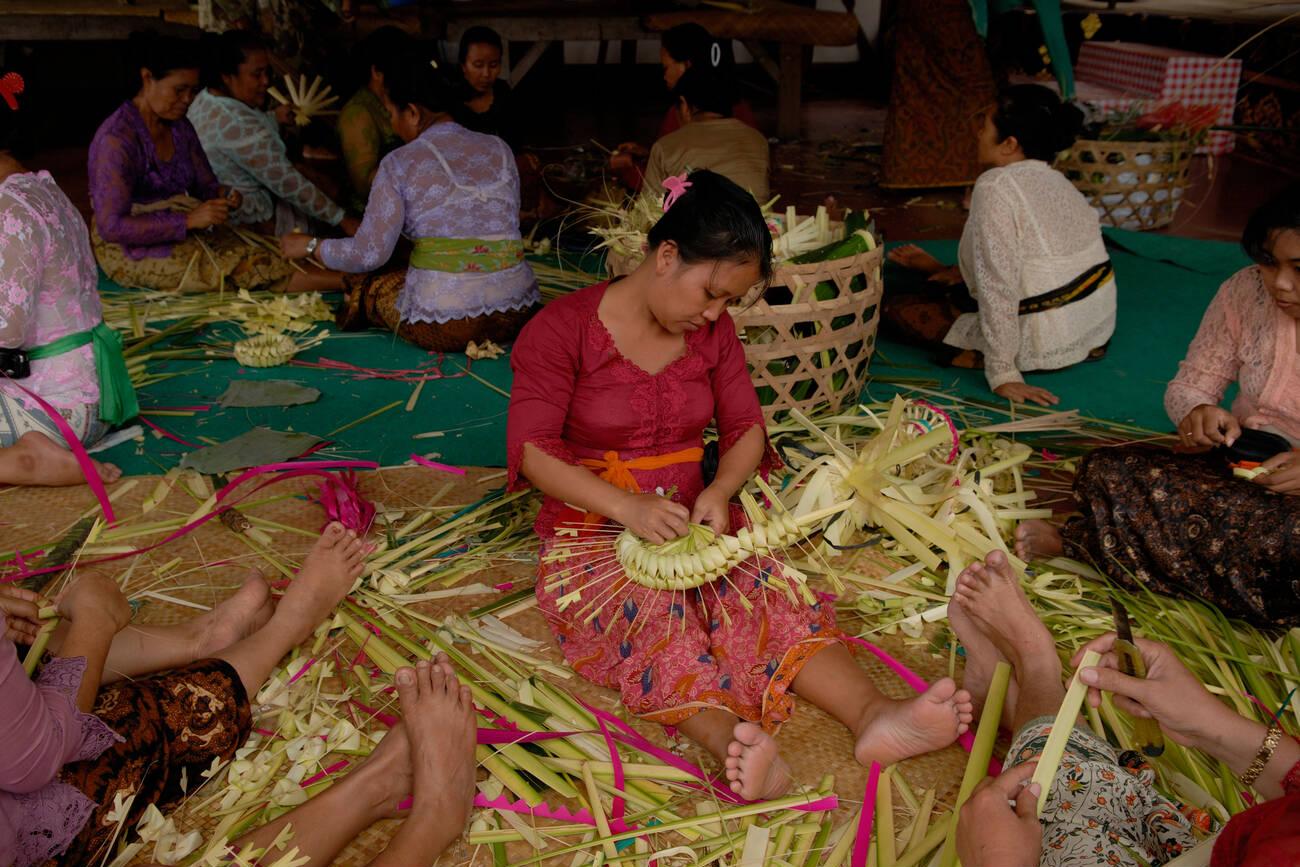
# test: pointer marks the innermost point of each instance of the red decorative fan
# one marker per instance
(11, 84)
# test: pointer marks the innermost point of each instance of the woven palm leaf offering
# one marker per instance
(309, 101)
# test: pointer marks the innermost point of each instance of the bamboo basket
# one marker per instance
(1132, 184)
(805, 352)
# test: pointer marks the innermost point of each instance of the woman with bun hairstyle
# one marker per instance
(1039, 288)
(161, 215)
(614, 386)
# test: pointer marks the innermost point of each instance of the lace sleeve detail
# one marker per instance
(1213, 360)
(736, 406)
(63, 675)
(20, 272)
(545, 363)
(996, 288)
(115, 165)
(261, 152)
(381, 227)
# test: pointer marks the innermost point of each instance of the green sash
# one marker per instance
(117, 401)
(462, 255)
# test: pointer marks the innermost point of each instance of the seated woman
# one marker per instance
(1101, 809)
(57, 356)
(98, 726)
(485, 103)
(152, 189)
(365, 132)
(243, 142)
(709, 138)
(1039, 288)
(1180, 523)
(614, 386)
(686, 46)
(456, 194)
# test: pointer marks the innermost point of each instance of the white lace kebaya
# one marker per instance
(449, 182)
(1030, 232)
(246, 152)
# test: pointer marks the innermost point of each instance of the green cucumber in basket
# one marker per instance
(859, 238)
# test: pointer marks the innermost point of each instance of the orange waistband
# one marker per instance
(618, 472)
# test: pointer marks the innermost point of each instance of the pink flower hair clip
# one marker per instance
(676, 187)
(11, 84)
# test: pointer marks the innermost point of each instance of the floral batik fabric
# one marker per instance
(1103, 809)
(736, 644)
(1182, 525)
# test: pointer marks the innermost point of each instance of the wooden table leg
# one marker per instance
(788, 90)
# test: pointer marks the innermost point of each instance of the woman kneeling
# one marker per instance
(456, 193)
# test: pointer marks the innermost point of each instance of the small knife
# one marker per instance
(1146, 732)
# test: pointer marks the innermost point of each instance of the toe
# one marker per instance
(408, 690)
(747, 733)
(333, 533)
(942, 691)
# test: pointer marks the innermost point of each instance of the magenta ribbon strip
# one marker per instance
(166, 433)
(617, 762)
(434, 465)
(288, 470)
(78, 451)
(862, 845)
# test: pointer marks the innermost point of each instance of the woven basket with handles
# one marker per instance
(804, 352)
(1132, 184)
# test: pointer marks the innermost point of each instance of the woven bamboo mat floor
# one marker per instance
(207, 565)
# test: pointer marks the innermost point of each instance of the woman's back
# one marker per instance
(48, 285)
(1053, 218)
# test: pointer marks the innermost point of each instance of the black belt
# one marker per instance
(1076, 290)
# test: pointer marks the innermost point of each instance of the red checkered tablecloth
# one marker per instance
(1127, 76)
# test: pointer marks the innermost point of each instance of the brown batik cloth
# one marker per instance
(942, 82)
(372, 300)
(174, 724)
(1182, 525)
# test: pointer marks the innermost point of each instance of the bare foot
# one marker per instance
(982, 657)
(327, 574)
(754, 765)
(1037, 539)
(38, 460)
(891, 731)
(233, 619)
(991, 594)
(390, 765)
(913, 257)
(438, 713)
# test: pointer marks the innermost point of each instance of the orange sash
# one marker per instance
(618, 472)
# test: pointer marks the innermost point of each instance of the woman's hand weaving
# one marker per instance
(654, 518)
(1283, 476)
(1208, 426)
(711, 510)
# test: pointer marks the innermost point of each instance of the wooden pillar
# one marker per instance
(789, 91)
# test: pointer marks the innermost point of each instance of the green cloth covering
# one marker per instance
(1160, 308)
(459, 255)
(1049, 18)
(117, 401)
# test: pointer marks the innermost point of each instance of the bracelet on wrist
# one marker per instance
(1271, 739)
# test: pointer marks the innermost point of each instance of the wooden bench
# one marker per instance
(91, 20)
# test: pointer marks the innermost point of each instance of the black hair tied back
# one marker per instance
(225, 53)
(1279, 214)
(1042, 124)
(413, 80)
(716, 221)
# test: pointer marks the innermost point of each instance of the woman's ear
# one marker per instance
(683, 110)
(665, 258)
(1010, 146)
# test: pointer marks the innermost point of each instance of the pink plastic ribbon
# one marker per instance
(166, 433)
(434, 465)
(78, 451)
(617, 762)
(862, 845)
(287, 470)
(676, 187)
